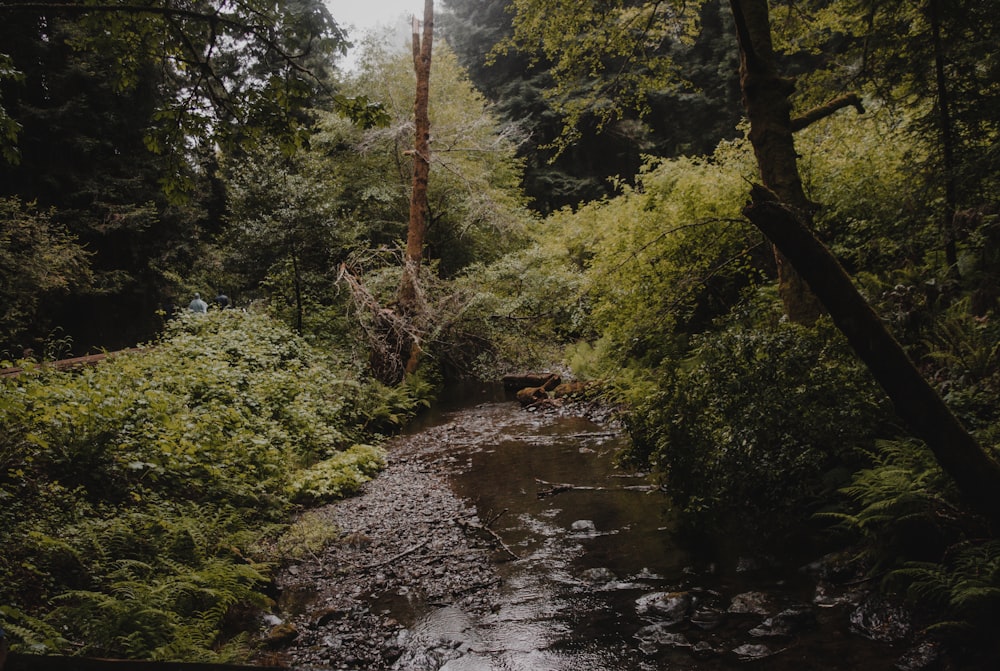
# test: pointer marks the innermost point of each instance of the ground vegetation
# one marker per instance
(146, 498)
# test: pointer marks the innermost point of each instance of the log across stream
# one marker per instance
(499, 538)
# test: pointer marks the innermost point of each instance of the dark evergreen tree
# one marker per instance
(119, 113)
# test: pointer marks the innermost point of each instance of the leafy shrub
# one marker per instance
(337, 476)
(133, 493)
(758, 422)
(39, 261)
(671, 255)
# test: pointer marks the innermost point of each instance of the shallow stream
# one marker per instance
(600, 578)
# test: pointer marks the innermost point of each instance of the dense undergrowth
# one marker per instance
(143, 500)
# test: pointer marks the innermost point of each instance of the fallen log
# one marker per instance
(518, 381)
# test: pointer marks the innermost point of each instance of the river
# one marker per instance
(598, 577)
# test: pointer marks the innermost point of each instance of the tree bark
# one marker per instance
(765, 98)
(783, 213)
(403, 326)
(417, 227)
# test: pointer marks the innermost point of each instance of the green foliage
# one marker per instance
(135, 493)
(585, 45)
(338, 476)
(39, 259)
(758, 423)
(518, 312)
(875, 214)
(297, 223)
(477, 210)
(9, 127)
(308, 534)
(963, 357)
(902, 502)
(671, 254)
(930, 548)
(689, 103)
(964, 588)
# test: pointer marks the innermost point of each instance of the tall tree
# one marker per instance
(416, 229)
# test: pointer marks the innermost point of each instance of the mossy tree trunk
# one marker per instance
(766, 100)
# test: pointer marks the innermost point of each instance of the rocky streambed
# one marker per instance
(498, 538)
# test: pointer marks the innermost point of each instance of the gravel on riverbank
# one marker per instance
(407, 544)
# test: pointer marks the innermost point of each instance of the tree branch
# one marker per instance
(823, 111)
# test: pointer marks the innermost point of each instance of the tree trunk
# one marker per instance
(402, 327)
(416, 230)
(765, 98)
(782, 213)
(947, 139)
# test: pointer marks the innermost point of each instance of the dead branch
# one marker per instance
(560, 487)
(396, 557)
(500, 542)
(496, 537)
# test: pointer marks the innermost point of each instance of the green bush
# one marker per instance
(758, 422)
(337, 476)
(133, 492)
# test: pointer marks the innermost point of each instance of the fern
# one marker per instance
(30, 633)
(134, 491)
(904, 495)
(964, 589)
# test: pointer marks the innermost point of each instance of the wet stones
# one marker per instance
(881, 620)
(755, 603)
(787, 623)
(407, 545)
(669, 608)
(281, 636)
(701, 622)
(655, 636)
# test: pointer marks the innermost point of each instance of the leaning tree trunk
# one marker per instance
(781, 211)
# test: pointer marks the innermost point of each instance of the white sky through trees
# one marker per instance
(364, 15)
(361, 16)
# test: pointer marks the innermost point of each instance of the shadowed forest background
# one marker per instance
(591, 208)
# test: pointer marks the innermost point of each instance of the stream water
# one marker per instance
(599, 578)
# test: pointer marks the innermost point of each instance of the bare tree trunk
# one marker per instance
(782, 213)
(417, 228)
(401, 328)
